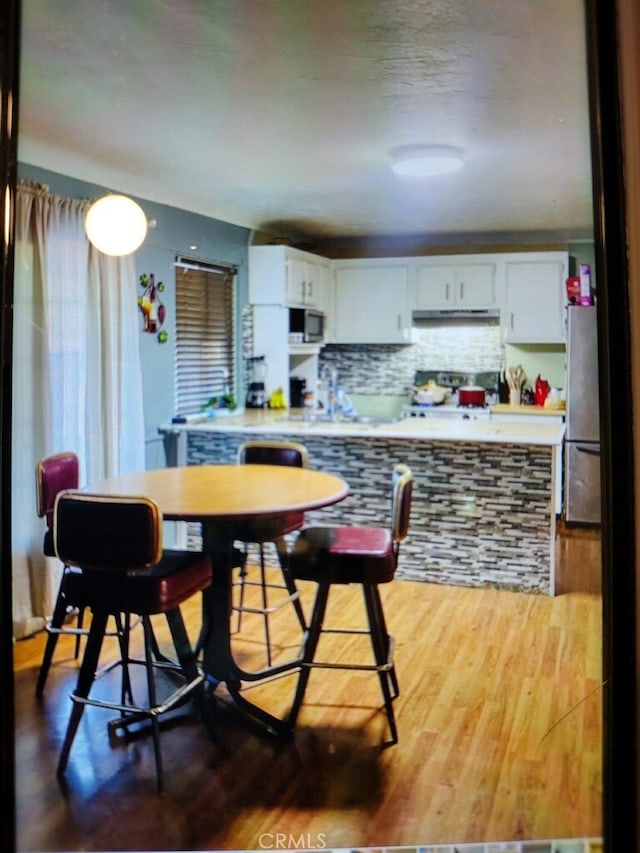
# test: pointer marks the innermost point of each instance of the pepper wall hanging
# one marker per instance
(153, 310)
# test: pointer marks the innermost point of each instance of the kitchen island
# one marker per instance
(484, 508)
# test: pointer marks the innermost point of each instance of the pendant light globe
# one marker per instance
(116, 225)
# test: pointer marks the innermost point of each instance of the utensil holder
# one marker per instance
(514, 396)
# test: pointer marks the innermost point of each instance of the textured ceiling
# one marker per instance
(279, 115)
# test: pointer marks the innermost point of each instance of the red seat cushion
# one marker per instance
(176, 578)
(178, 575)
(344, 555)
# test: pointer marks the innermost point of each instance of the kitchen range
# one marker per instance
(453, 394)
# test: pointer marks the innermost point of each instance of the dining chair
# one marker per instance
(265, 452)
(368, 557)
(116, 541)
(55, 474)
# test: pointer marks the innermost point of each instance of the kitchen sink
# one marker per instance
(370, 419)
(322, 418)
(312, 418)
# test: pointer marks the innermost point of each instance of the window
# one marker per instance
(205, 340)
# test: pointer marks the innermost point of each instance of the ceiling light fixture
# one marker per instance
(116, 225)
(423, 161)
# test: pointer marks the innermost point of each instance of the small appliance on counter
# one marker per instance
(297, 389)
(257, 370)
(466, 395)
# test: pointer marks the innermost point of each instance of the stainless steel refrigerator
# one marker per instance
(582, 437)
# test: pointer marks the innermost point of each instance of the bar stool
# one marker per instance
(270, 530)
(367, 556)
(117, 544)
(53, 475)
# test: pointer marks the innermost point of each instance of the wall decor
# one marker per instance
(153, 310)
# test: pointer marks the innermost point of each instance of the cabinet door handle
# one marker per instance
(511, 320)
(399, 321)
(461, 290)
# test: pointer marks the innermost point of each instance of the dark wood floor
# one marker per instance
(500, 737)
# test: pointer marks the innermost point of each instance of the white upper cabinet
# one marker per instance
(535, 297)
(455, 283)
(307, 280)
(280, 275)
(371, 301)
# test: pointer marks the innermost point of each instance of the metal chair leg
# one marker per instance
(57, 620)
(86, 678)
(293, 596)
(149, 640)
(243, 577)
(283, 558)
(265, 605)
(79, 625)
(384, 634)
(123, 631)
(380, 645)
(310, 646)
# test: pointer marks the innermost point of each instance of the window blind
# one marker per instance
(205, 344)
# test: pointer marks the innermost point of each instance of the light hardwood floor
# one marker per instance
(500, 737)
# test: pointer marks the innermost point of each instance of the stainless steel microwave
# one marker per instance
(308, 323)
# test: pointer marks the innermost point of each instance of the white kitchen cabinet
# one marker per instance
(271, 339)
(281, 275)
(535, 297)
(307, 280)
(283, 360)
(449, 283)
(371, 301)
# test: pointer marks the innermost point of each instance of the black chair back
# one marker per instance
(274, 453)
(105, 532)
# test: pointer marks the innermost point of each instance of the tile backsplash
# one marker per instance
(389, 369)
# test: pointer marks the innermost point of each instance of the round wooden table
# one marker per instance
(225, 498)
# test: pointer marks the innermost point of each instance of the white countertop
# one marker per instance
(415, 429)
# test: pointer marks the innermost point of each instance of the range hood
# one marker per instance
(490, 315)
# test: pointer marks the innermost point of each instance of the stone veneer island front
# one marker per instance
(484, 509)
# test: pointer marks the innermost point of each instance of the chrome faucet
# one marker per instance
(329, 376)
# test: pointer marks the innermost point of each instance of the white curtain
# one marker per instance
(77, 382)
